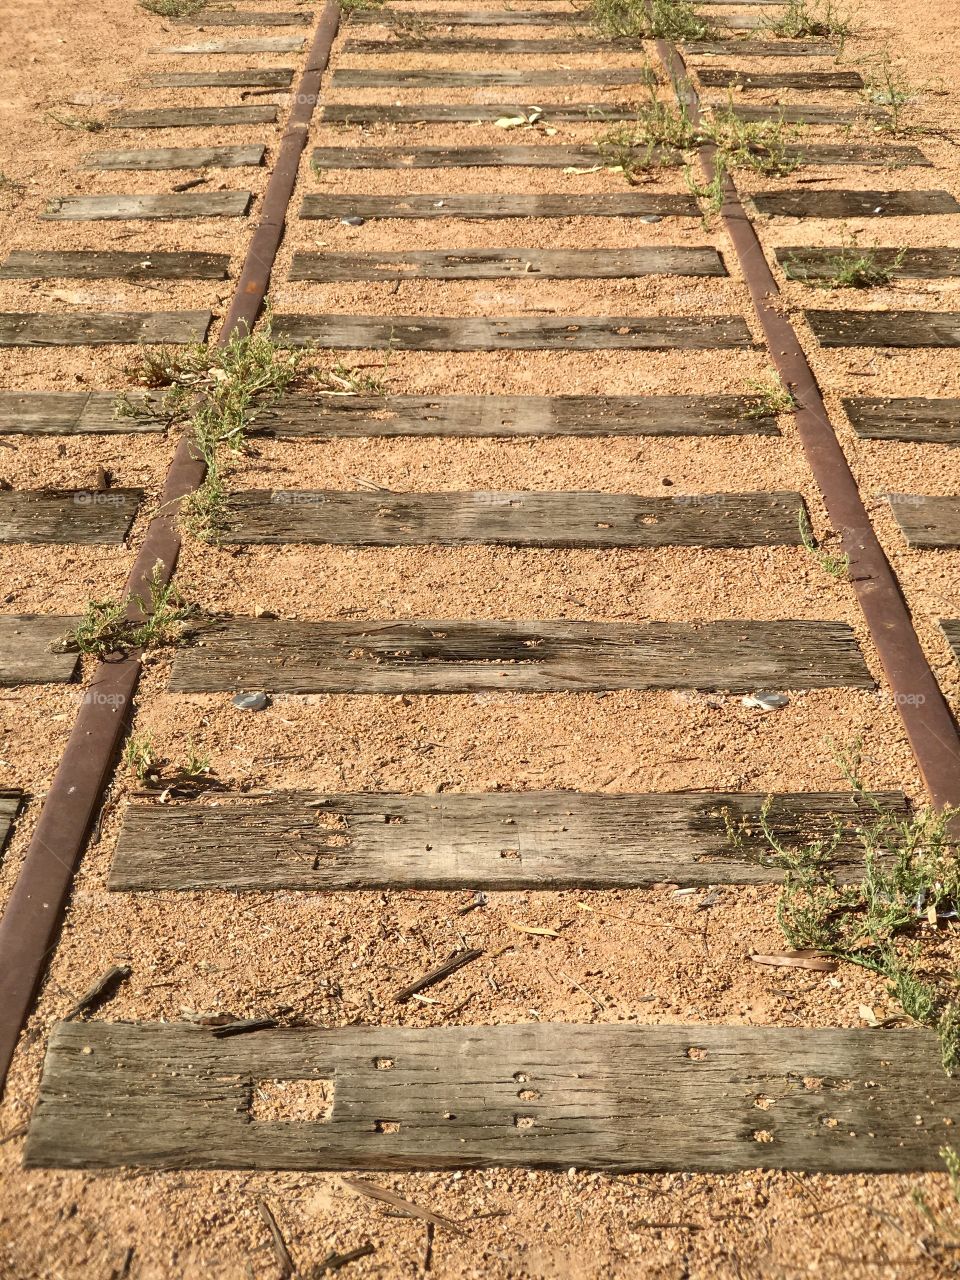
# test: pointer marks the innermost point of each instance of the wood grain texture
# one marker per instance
(264, 44)
(513, 333)
(84, 517)
(916, 419)
(495, 841)
(176, 158)
(335, 416)
(191, 117)
(545, 157)
(496, 264)
(68, 413)
(454, 656)
(189, 204)
(245, 18)
(384, 16)
(438, 44)
(885, 328)
(380, 78)
(801, 262)
(624, 204)
(102, 328)
(812, 113)
(10, 801)
(951, 629)
(518, 519)
(115, 266)
(621, 1098)
(26, 656)
(251, 77)
(471, 112)
(882, 157)
(927, 521)
(802, 203)
(732, 77)
(763, 48)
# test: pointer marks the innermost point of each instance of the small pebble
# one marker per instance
(352, 222)
(651, 217)
(765, 701)
(251, 701)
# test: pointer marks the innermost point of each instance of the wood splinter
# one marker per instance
(104, 987)
(287, 1267)
(455, 962)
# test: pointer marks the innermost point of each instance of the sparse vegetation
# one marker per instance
(139, 757)
(911, 879)
(837, 565)
(112, 626)
(712, 193)
(408, 29)
(759, 145)
(886, 84)
(77, 123)
(217, 392)
(143, 762)
(639, 20)
(343, 380)
(771, 398)
(860, 269)
(799, 19)
(173, 8)
(9, 187)
(350, 6)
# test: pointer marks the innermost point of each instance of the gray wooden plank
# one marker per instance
(916, 419)
(384, 16)
(125, 265)
(731, 77)
(802, 203)
(337, 416)
(801, 262)
(245, 18)
(951, 630)
(789, 113)
(188, 204)
(471, 112)
(84, 517)
(101, 328)
(176, 158)
(554, 1095)
(885, 156)
(10, 801)
(251, 77)
(624, 204)
(192, 117)
(26, 655)
(885, 328)
(70, 412)
(509, 518)
(545, 157)
(264, 44)
(928, 522)
(416, 656)
(373, 78)
(513, 333)
(443, 45)
(483, 264)
(762, 48)
(497, 841)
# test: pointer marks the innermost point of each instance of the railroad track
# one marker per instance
(507, 609)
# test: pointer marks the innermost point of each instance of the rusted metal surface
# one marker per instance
(926, 717)
(30, 923)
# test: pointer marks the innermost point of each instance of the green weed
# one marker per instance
(173, 8)
(638, 20)
(107, 627)
(771, 399)
(799, 19)
(836, 565)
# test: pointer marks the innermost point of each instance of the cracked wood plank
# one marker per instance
(546, 157)
(375, 78)
(801, 262)
(191, 117)
(620, 1098)
(732, 77)
(885, 328)
(115, 266)
(883, 157)
(425, 656)
(70, 413)
(763, 48)
(245, 18)
(189, 204)
(813, 113)
(10, 801)
(801, 203)
(266, 44)
(83, 517)
(335, 416)
(625, 204)
(601, 113)
(177, 158)
(518, 519)
(495, 841)
(485, 264)
(513, 333)
(102, 328)
(474, 44)
(26, 656)
(916, 419)
(252, 77)
(927, 521)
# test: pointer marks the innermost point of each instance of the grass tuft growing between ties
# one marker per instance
(107, 626)
(638, 20)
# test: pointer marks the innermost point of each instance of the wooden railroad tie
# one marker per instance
(800, 203)
(804, 263)
(916, 419)
(84, 517)
(190, 204)
(177, 158)
(451, 656)
(27, 654)
(102, 328)
(73, 413)
(192, 117)
(530, 264)
(624, 204)
(885, 328)
(126, 265)
(927, 521)
(620, 1098)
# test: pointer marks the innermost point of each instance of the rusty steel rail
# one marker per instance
(30, 922)
(927, 719)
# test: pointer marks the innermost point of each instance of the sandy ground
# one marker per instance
(642, 956)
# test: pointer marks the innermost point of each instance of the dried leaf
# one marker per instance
(799, 960)
(573, 169)
(869, 1017)
(510, 122)
(534, 929)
